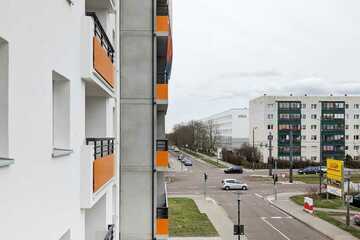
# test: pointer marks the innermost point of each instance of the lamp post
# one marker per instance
(253, 145)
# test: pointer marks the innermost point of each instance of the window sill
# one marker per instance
(61, 152)
(5, 162)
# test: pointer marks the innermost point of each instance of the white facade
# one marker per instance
(51, 101)
(264, 119)
(232, 127)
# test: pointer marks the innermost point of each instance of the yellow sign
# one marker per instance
(335, 169)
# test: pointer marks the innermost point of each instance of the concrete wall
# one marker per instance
(41, 194)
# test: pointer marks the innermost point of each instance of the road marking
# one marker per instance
(258, 195)
(268, 223)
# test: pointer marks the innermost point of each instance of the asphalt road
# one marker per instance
(261, 220)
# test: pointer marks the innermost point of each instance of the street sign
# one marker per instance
(349, 198)
(335, 169)
(239, 230)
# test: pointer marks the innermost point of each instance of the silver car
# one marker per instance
(228, 184)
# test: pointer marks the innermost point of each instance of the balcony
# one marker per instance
(162, 155)
(162, 218)
(98, 54)
(108, 5)
(97, 169)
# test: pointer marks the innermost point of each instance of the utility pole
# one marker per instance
(270, 160)
(275, 180)
(253, 146)
(321, 160)
(239, 214)
(348, 200)
(291, 157)
(205, 180)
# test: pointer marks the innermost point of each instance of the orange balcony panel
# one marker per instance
(162, 24)
(103, 171)
(162, 226)
(162, 159)
(162, 92)
(102, 62)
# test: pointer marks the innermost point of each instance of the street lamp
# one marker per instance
(253, 145)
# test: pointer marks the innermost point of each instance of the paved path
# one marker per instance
(285, 204)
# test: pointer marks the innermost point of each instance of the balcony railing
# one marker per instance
(110, 233)
(162, 217)
(162, 154)
(103, 52)
(101, 34)
(104, 162)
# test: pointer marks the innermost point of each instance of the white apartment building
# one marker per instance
(330, 121)
(232, 127)
(59, 120)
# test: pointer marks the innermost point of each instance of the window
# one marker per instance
(270, 105)
(313, 137)
(346, 137)
(270, 116)
(346, 126)
(346, 106)
(356, 137)
(61, 111)
(303, 137)
(4, 98)
(356, 116)
(270, 126)
(303, 127)
(313, 106)
(356, 106)
(313, 127)
(303, 105)
(346, 147)
(356, 126)
(356, 158)
(313, 158)
(303, 116)
(313, 116)
(356, 147)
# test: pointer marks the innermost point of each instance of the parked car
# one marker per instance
(312, 170)
(188, 162)
(228, 184)
(235, 169)
(357, 219)
(356, 200)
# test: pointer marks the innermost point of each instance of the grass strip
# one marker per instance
(205, 159)
(327, 217)
(187, 221)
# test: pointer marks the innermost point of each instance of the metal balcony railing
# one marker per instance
(102, 146)
(110, 232)
(101, 34)
(162, 145)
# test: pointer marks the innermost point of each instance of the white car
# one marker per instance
(228, 184)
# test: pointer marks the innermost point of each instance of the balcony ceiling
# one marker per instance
(100, 5)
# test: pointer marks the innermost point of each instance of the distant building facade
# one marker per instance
(329, 123)
(231, 127)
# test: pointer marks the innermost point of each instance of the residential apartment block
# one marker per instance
(232, 127)
(146, 56)
(329, 123)
(70, 70)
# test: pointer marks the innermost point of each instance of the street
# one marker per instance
(261, 219)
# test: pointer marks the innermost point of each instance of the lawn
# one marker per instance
(329, 218)
(334, 203)
(187, 221)
(308, 179)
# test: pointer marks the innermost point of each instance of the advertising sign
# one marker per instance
(334, 190)
(308, 205)
(335, 169)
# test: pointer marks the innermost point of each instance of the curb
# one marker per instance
(300, 220)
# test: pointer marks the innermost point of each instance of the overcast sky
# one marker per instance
(229, 51)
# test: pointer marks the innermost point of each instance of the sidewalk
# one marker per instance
(217, 216)
(285, 204)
